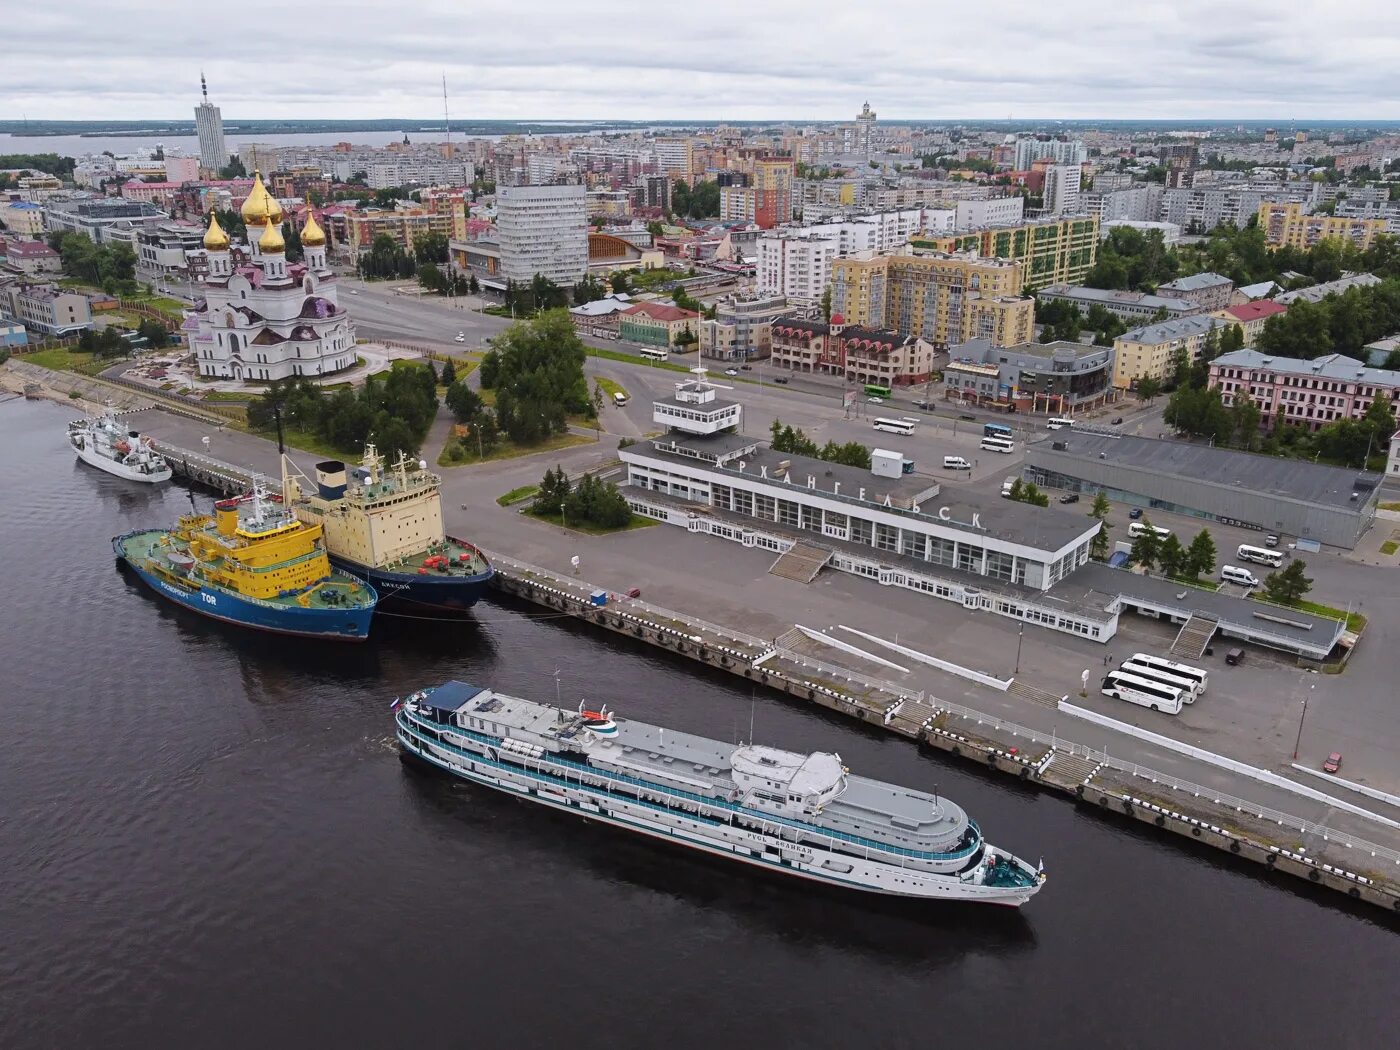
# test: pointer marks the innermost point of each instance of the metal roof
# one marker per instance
(1194, 282)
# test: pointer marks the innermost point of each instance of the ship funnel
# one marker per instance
(330, 479)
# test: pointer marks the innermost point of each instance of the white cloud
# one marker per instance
(758, 59)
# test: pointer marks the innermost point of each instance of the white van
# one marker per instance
(1234, 574)
(956, 463)
(619, 399)
(1006, 485)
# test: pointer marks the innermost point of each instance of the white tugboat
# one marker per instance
(102, 442)
(800, 814)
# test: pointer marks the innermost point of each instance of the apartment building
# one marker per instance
(772, 188)
(354, 231)
(1059, 151)
(1204, 208)
(858, 354)
(1287, 225)
(1251, 317)
(1317, 292)
(941, 299)
(1061, 192)
(675, 157)
(1139, 202)
(1305, 393)
(1207, 291)
(33, 257)
(994, 211)
(796, 265)
(44, 308)
(656, 324)
(543, 230)
(1149, 351)
(22, 218)
(1131, 306)
(737, 203)
(1050, 251)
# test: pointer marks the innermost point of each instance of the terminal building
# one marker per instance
(1311, 501)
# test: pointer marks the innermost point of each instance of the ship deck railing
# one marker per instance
(723, 804)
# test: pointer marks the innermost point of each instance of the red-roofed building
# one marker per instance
(860, 355)
(1251, 317)
(656, 324)
(33, 257)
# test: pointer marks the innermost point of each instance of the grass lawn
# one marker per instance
(61, 360)
(1356, 622)
(1390, 547)
(516, 495)
(1205, 585)
(636, 522)
(1390, 506)
(611, 387)
(509, 450)
(227, 395)
(633, 359)
(309, 442)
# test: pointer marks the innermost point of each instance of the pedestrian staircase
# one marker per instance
(1194, 636)
(1072, 768)
(1034, 695)
(801, 562)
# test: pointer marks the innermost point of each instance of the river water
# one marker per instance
(207, 839)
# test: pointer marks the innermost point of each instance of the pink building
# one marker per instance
(1305, 393)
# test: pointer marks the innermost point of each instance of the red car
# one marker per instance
(1333, 763)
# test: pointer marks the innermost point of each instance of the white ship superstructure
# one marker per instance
(800, 814)
(104, 443)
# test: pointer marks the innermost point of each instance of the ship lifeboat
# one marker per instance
(122, 447)
(181, 562)
(599, 722)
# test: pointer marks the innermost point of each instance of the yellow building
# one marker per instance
(943, 299)
(1051, 251)
(361, 228)
(1286, 225)
(1150, 352)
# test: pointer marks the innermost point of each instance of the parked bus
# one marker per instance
(997, 430)
(1262, 555)
(876, 390)
(1189, 689)
(1137, 528)
(998, 444)
(1141, 691)
(895, 426)
(653, 353)
(1195, 674)
(1058, 424)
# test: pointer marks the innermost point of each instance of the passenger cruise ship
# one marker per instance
(800, 814)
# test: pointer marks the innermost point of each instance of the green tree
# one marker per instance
(1245, 416)
(1148, 387)
(1200, 556)
(291, 237)
(449, 373)
(826, 304)
(157, 336)
(464, 402)
(234, 169)
(1171, 556)
(1031, 494)
(431, 278)
(430, 247)
(538, 377)
(1145, 547)
(1015, 492)
(1181, 368)
(1290, 585)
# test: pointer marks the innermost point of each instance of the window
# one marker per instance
(969, 557)
(886, 537)
(941, 551)
(861, 532)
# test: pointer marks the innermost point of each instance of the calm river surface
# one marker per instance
(207, 839)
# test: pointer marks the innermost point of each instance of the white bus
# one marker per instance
(1194, 674)
(895, 426)
(1141, 691)
(1189, 688)
(1058, 424)
(1137, 528)
(1262, 555)
(998, 444)
(653, 353)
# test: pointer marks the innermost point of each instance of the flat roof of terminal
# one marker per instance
(1044, 528)
(1271, 475)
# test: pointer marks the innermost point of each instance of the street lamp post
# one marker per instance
(1020, 636)
(1302, 718)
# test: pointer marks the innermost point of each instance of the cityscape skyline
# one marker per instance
(1190, 61)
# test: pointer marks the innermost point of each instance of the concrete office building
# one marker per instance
(742, 329)
(1061, 192)
(45, 309)
(994, 211)
(543, 230)
(1059, 378)
(96, 217)
(1289, 497)
(209, 126)
(1131, 306)
(1207, 291)
(881, 523)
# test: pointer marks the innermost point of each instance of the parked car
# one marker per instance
(460, 337)
(1135, 513)
(1333, 763)
(968, 415)
(1117, 421)
(1070, 497)
(731, 371)
(1234, 657)
(352, 291)
(1270, 541)
(635, 592)
(876, 400)
(747, 368)
(922, 404)
(781, 379)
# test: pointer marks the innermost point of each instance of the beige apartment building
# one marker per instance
(1286, 225)
(943, 299)
(1148, 352)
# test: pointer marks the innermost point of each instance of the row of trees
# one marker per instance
(794, 441)
(111, 267)
(590, 501)
(1066, 322)
(1341, 324)
(539, 294)
(48, 163)
(700, 201)
(1189, 562)
(1133, 260)
(385, 260)
(393, 411)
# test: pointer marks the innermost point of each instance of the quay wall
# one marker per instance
(1053, 765)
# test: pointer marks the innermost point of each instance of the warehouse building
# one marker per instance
(1310, 501)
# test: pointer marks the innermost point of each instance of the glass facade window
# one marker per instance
(886, 537)
(1000, 565)
(941, 551)
(765, 507)
(787, 513)
(743, 501)
(811, 518)
(722, 496)
(914, 544)
(969, 557)
(835, 520)
(860, 531)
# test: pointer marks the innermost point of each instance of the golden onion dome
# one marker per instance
(215, 239)
(257, 209)
(312, 236)
(271, 240)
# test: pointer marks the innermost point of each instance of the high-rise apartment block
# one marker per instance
(1287, 225)
(942, 299)
(209, 126)
(1061, 193)
(1050, 251)
(543, 230)
(1060, 151)
(675, 158)
(772, 185)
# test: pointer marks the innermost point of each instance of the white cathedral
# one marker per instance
(267, 318)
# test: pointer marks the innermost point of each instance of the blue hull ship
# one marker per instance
(385, 525)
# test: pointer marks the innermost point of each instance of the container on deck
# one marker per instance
(599, 597)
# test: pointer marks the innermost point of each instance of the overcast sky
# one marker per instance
(748, 60)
